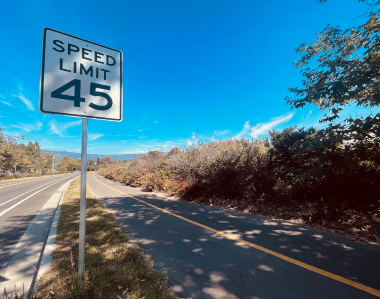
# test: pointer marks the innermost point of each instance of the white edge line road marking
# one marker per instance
(15, 205)
(47, 251)
(21, 195)
(23, 263)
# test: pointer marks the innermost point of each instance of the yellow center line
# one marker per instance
(271, 252)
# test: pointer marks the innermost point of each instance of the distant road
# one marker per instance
(20, 201)
(210, 252)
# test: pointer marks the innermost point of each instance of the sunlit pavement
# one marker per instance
(203, 263)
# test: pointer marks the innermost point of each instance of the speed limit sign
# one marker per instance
(80, 78)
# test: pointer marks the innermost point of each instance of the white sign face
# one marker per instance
(80, 78)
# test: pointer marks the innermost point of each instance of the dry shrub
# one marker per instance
(294, 172)
(228, 168)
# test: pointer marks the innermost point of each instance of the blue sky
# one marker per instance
(219, 69)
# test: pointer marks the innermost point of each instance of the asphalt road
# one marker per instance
(210, 252)
(20, 202)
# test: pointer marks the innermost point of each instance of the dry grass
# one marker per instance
(9, 294)
(115, 266)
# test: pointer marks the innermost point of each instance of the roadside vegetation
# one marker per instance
(327, 177)
(291, 175)
(116, 267)
(18, 160)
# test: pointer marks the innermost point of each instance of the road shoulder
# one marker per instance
(20, 270)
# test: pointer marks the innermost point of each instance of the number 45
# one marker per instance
(77, 99)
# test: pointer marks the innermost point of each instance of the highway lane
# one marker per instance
(14, 182)
(214, 253)
(20, 201)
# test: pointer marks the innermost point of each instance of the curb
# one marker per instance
(47, 251)
(25, 258)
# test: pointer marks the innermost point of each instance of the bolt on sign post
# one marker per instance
(82, 79)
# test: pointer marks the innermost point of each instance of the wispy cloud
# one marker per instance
(150, 145)
(95, 136)
(61, 128)
(27, 103)
(6, 103)
(246, 130)
(36, 126)
(307, 116)
(141, 130)
(262, 128)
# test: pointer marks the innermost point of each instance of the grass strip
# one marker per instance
(115, 266)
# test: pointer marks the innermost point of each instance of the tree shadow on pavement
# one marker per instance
(204, 264)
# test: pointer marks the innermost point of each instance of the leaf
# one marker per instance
(367, 227)
(119, 287)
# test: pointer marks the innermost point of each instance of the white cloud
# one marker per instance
(307, 116)
(6, 103)
(150, 145)
(36, 126)
(246, 130)
(262, 128)
(141, 130)
(219, 133)
(95, 136)
(27, 103)
(61, 128)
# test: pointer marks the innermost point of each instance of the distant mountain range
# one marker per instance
(60, 154)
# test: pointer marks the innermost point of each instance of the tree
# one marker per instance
(45, 162)
(11, 154)
(98, 161)
(106, 161)
(64, 164)
(37, 161)
(75, 164)
(91, 165)
(342, 68)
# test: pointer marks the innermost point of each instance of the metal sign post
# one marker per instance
(80, 78)
(82, 220)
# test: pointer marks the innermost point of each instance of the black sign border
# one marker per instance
(43, 74)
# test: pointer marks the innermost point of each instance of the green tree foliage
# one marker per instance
(67, 164)
(12, 154)
(92, 165)
(64, 164)
(340, 69)
(20, 158)
(313, 164)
